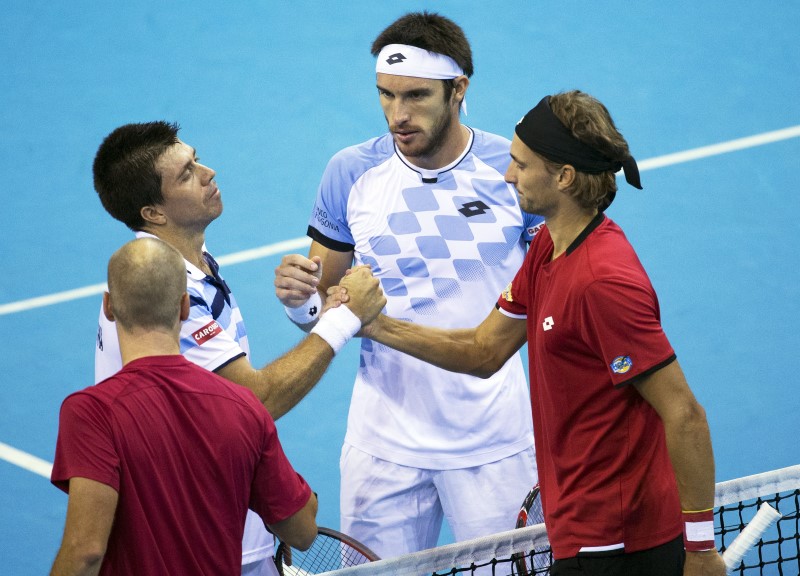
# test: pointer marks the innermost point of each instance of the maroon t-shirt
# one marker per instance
(188, 452)
(593, 327)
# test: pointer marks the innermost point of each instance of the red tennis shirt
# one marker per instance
(188, 452)
(593, 328)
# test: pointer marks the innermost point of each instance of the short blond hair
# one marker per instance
(146, 282)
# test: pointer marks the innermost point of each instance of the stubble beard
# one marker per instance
(433, 142)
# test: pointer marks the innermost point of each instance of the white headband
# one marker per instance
(404, 60)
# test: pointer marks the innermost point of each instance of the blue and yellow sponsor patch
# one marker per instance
(621, 364)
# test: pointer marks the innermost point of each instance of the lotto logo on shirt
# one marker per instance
(207, 332)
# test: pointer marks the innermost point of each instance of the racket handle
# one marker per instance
(752, 533)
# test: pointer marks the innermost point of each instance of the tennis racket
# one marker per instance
(331, 550)
(765, 518)
(530, 513)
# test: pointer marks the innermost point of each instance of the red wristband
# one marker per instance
(698, 530)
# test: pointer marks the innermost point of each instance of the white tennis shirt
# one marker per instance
(444, 245)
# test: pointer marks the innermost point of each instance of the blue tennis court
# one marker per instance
(706, 94)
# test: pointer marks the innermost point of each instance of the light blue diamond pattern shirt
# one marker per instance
(444, 245)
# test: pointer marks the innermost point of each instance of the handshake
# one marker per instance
(297, 283)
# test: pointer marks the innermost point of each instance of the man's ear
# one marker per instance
(185, 306)
(153, 215)
(566, 176)
(460, 83)
(107, 307)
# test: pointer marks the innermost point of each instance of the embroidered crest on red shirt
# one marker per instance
(621, 364)
(507, 296)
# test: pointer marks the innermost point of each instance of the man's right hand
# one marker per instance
(296, 279)
(364, 296)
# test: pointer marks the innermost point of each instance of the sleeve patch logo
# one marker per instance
(207, 332)
(507, 296)
(621, 364)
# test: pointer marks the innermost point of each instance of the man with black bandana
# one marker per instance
(623, 448)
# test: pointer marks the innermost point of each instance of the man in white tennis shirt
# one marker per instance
(154, 183)
(426, 206)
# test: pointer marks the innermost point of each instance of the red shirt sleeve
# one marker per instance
(622, 323)
(85, 444)
(277, 491)
(514, 298)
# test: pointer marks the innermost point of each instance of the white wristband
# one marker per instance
(337, 326)
(307, 312)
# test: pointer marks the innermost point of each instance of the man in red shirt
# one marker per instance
(623, 447)
(162, 460)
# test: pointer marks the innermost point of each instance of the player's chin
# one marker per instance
(526, 205)
(413, 148)
(215, 211)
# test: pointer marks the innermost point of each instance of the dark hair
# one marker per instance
(431, 32)
(125, 175)
(590, 122)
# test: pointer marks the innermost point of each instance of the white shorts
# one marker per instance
(395, 510)
(261, 567)
(258, 548)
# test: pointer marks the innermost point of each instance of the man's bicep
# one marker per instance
(501, 336)
(239, 371)
(299, 529)
(334, 264)
(667, 391)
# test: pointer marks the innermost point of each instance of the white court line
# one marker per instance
(25, 460)
(42, 467)
(94, 289)
(287, 245)
(722, 148)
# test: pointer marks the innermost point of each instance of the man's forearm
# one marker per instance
(689, 445)
(291, 377)
(69, 562)
(693, 462)
(453, 350)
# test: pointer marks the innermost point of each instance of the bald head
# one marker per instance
(146, 283)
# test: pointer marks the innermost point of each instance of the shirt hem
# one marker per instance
(256, 554)
(441, 462)
(561, 552)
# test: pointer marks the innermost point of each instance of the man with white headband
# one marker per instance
(626, 467)
(426, 206)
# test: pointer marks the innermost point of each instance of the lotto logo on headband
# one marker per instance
(207, 332)
(395, 59)
(418, 63)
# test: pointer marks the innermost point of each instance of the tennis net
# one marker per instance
(526, 551)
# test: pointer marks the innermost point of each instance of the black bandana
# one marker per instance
(543, 132)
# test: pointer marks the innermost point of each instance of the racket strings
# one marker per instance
(326, 553)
